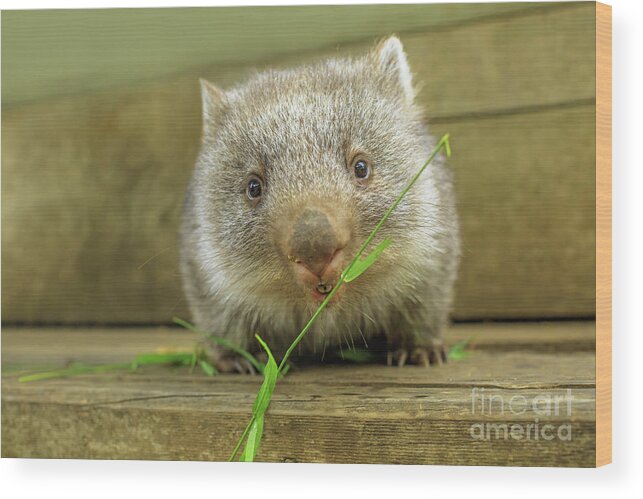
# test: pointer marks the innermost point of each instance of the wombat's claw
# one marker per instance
(430, 355)
(234, 364)
(399, 357)
(422, 356)
(243, 366)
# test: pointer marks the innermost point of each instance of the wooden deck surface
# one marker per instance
(330, 413)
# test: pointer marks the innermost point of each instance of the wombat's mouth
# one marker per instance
(320, 282)
(315, 240)
(322, 290)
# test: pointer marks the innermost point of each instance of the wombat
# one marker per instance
(296, 168)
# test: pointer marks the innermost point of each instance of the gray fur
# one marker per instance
(296, 127)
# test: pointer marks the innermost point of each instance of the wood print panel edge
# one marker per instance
(603, 234)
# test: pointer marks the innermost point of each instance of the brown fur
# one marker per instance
(296, 130)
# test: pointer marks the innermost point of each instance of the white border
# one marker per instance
(51, 479)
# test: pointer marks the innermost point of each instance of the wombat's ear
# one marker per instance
(214, 103)
(391, 60)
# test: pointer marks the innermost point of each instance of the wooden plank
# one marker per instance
(540, 59)
(603, 234)
(507, 52)
(363, 414)
(185, 432)
(532, 59)
(568, 336)
(54, 52)
(503, 370)
(526, 198)
(99, 195)
(54, 347)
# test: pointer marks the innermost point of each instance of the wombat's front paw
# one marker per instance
(227, 361)
(432, 354)
(234, 363)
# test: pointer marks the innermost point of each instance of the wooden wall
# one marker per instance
(101, 126)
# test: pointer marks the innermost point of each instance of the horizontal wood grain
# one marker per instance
(524, 194)
(65, 52)
(57, 346)
(346, 413)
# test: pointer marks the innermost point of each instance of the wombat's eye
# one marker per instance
(361, 169)
(253, 188)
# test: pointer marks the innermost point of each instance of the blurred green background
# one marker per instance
(100, 129)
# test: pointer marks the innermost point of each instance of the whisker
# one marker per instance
(153, 257)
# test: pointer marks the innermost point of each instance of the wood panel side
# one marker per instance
(603, 234)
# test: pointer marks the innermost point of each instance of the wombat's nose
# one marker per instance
(313, 242)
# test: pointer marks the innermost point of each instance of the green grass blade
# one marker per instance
(357, 355)
(142, 359)
(352, 271)
(193, 360)
(284, 371)
(73, 371)
(259, 407)
(360, 266)
(269, 380)
(177, 358)
(459, 350)
(208, 368)
(242, 438)
(254, 439)
(221, 341)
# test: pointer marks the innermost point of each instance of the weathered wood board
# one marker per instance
(52, 347)
(345, 413)
(70, 51)
(90, 209)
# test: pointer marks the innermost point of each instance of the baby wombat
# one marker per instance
(296, 168)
